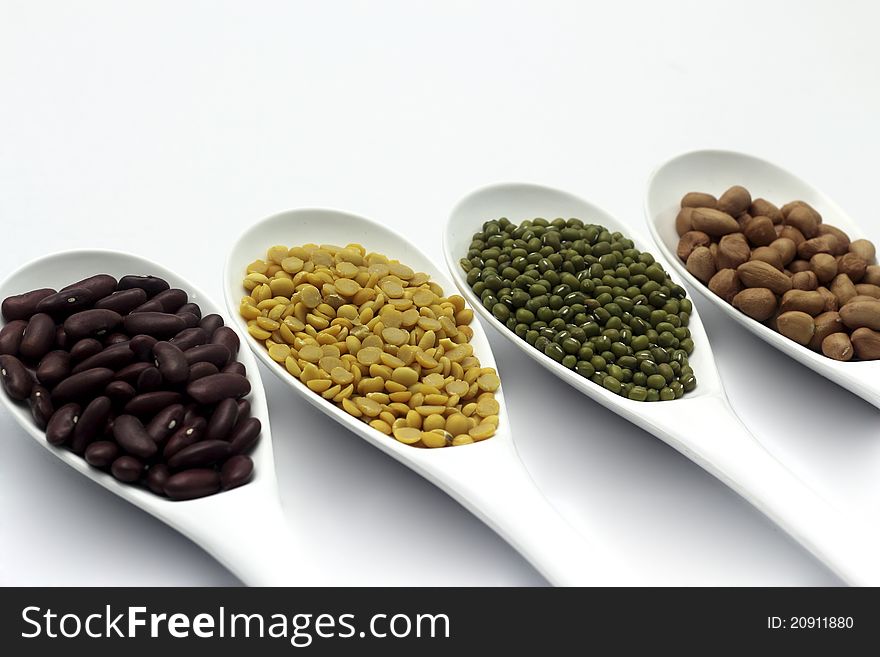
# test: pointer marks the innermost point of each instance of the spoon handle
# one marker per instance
(252, 539)
(495, 486)
(715, 438)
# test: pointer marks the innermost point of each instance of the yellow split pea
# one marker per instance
(376, 338)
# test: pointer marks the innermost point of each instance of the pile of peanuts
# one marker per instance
(785, 267)
(376, 338)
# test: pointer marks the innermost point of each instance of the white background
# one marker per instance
(166, 128)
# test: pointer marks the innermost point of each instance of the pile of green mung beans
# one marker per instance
(587, 298)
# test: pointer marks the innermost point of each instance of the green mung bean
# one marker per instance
(588, 299)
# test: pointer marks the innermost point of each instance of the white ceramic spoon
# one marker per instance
(487, 478)
(701, 425)
(715, 171)
(244, 528)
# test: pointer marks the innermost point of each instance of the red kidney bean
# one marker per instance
(200, 370)
(235, 367)
(191, 412)
(167, 301)
(22, 306)
(115, 338)
(189, 319)
(217, 387)
(38, 338)
(115, 357)
(10, 337)
(157, 477)
(192, 309)
(127, 469)
(245, 435)
(53, 368)
(123, 301)
(171, 362)
(236, 472)
(137, 371)
(150, 403)
(199, 455)
(92, 323)
(130, 373)
(120, 392)
(101, 453)
(189, 433)
(217, 354)
(189, 338)
(85, 348)
(61, 339)
(228, 338)
(159, 325)
(65, 303)
(91, 423)
(142, 346)
(100, 285)
(133, 437)
(41, 406)
(152, 285)
(62, 423)
(222, 420)
(82, 385)
(190, 484)
(17, 381)
(165, 422)
(150, 380)
(210, 323)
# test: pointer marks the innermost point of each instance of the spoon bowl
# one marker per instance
(714, 171)
(486, 477)
(243, 528)
(701, 425)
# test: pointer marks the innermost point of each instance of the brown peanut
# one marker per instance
(831, 302)
(698, 200)
(804, 280)
(725, 283)
(701, 264)
(824, 325)
(865, 250)
(735, 200)
(842, 238)
(842, 288)
(858, 314)
(812, 302)
(756, 273)
(804, 218)
(763, 208)
(713, 222)
(866, 343)
(733, 250)
(683, 221)
(868, 290)
(796, 266)
(796, 326)
(759, 231)
(757, 302)
(825, 267)
(690, 241)
(821, 244)
(853, 266)
(791, 233)
(768, 255)
(838, 347)
(786, 247)
(872, 275)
